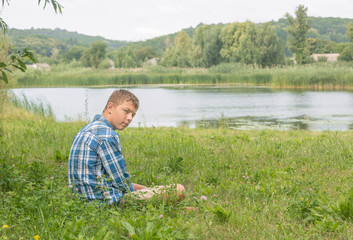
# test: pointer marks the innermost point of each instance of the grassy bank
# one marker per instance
(258, 184)
(317, 76)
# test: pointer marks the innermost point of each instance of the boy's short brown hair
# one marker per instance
(120, 96)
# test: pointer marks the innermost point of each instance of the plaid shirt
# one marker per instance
(97, 168)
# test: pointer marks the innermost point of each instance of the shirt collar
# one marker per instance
(100, 118)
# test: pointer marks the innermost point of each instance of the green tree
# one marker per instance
(177, 55)
(240, 43)
(125, 57)
(347, 53)
(16, 59)
(297, 30)
(248, 51)
(145, 53)
(93, 56)
(271, 48)
(74, 53)
(206, 46)
(350, 31)
(315, 45)
(230, 38)
(244, 42)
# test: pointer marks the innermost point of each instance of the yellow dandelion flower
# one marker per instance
(36, 237)
(5, 226)
(4, 237)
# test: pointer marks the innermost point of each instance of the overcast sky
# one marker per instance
(135, 20)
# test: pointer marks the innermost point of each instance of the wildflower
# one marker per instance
(215, 195)
(4, 237)
(203, 197)
(310, 189)
(70, 186)
(36, 237)
(244, 159)
(12, 156)
(161, 216)
(105, 193)
(51, 177)
(5, 226)
(13, 165)
(158, 177)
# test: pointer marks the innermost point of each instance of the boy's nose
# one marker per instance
(129, 117)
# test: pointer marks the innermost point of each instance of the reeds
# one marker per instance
(316, 76)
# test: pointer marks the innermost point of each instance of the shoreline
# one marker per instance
(179, 85)
(327, 87)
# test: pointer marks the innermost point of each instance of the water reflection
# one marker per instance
(246, 123)
(295, 123)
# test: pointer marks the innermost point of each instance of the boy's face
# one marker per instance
(120, 116)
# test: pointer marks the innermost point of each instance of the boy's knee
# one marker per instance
(180, 188)
(181, 192)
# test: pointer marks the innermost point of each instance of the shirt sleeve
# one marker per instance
(115, 165)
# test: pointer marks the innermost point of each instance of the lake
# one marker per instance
(211, 106)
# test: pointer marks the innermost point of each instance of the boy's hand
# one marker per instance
(138, 186)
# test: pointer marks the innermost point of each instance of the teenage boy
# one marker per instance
(97, 168)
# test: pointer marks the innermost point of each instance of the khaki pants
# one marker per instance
(146, 193)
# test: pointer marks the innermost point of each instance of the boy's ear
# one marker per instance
(110, 106)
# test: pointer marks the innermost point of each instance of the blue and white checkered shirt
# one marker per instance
(97, 168)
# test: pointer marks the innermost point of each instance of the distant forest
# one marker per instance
(203, 46)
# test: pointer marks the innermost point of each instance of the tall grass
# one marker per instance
(255, 184)
(37, 106)
(324, 75)
(3, 96)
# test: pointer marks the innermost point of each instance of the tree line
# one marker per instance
(289, 40)
(245, 43)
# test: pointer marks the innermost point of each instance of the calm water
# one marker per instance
(234, 107)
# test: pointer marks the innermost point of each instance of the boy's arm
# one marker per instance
(115, 165)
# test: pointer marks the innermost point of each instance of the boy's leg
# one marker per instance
(173, 190)
(165, 192)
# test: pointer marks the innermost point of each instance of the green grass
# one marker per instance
(315, 76)
(259, 184)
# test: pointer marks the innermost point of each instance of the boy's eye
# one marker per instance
(127, 111)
